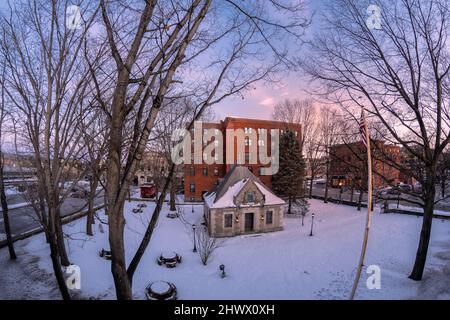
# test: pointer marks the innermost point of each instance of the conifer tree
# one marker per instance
(288, 182)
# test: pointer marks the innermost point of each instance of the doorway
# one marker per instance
(249, 217)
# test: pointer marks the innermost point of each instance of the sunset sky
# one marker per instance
(258, 103)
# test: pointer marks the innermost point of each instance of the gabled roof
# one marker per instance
(222, 196)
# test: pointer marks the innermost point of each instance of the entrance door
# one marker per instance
(249, 221)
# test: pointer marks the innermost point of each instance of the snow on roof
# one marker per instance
(223, 195)
(270, 198)
(227, 199)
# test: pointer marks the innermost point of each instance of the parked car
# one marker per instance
(389, 191)
(320, 182)
(405, 187)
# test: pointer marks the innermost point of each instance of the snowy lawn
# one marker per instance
(283, 265)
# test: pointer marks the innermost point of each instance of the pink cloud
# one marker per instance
(268, 102)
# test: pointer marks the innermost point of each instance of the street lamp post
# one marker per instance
(312, 224)
(195, 247)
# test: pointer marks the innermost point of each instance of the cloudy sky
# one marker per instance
(258, 103)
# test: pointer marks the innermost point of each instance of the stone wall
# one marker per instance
(217, 223)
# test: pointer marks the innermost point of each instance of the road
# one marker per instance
(24, 219)
(334, 193)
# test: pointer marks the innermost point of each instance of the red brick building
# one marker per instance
(201, 178)
(348, 164)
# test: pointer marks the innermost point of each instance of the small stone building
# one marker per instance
(242, 204)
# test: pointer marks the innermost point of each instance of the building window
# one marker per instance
(248, 142)
(228, 220)
(192, 187)
(247, 130)
(216, 171)
(296, 133)
(250, 197)
(261, 142)
(205, 171)
(192, 171)
(269, 217)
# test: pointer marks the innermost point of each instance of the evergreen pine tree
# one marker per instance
(288, 182)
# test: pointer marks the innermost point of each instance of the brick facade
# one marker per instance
(201, 178)
(348, 164)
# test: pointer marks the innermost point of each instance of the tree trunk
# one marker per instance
(151, 226)
(311, 186)
(290, 205)
(60, 239)
(361, 193)
(422, 250)
(4, 204)
(90, 216)
(351, 194)
(116, 224)
(57, 267)
(327, 180)
(172, 197)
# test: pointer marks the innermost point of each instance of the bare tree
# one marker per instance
(297, 111)
(151, 44)
(399, 71)
(46, 81)
(330, 124)
(3, 200)
(206, 245)
(94, 138)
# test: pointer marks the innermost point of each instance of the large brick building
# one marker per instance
(348, 164)
(201, 178)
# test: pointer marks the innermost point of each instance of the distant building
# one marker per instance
(200, 178)
(153, 165)
(154, 168)
(17, 167)
(242, 204)
(348, 164)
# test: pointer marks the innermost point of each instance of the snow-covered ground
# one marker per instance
(283, 265)
(12, 191)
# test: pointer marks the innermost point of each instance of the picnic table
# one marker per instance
(161, 290)
(169, 259)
